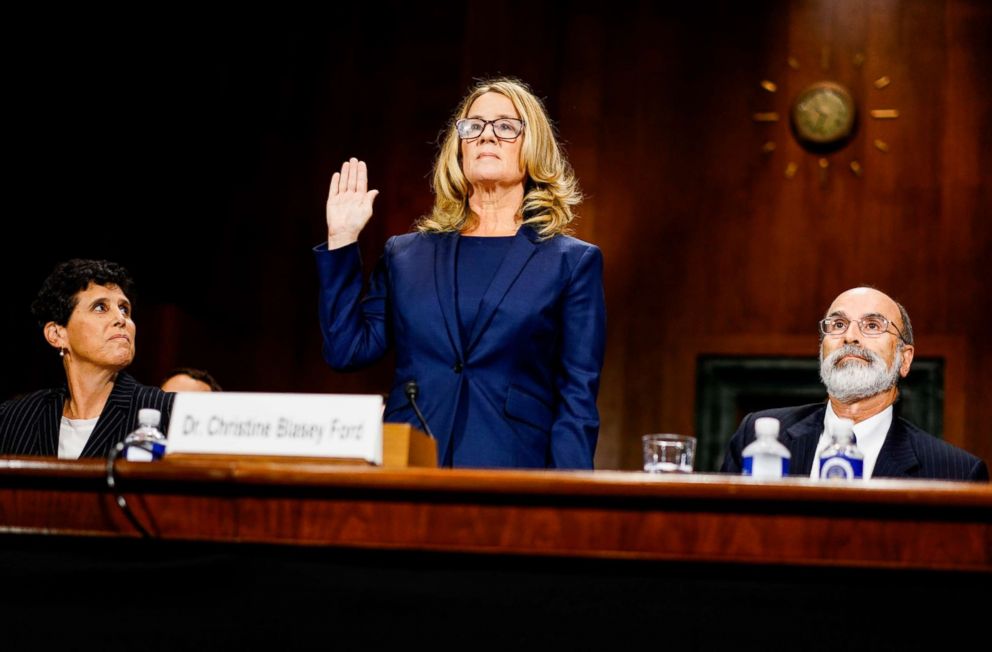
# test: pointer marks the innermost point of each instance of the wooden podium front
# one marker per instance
(248, 552)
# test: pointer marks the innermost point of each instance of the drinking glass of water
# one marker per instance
(668, 453)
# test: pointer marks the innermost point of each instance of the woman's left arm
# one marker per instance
(583, 328)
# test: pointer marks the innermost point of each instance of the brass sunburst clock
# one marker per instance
(824, 118)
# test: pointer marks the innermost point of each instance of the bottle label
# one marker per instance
(766, 466)
(838, 467)
(145, 451)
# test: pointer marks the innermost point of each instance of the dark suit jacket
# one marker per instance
(30, 425)
(908, 452)
(522, 393)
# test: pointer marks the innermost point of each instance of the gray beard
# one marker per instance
(854, 381)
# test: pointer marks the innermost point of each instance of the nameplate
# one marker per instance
(299, 425)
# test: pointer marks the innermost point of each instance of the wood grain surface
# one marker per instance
(879, 524)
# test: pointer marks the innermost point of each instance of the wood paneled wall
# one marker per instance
(197, 152)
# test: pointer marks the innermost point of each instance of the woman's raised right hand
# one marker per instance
(349, 203)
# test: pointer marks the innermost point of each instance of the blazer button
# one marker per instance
(458, 367)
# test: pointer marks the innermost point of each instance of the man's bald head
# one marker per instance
(865, 346)
(864, 300)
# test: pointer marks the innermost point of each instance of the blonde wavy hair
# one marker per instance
(550, 189)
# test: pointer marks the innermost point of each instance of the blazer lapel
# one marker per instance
(522, 248)
(445, 249)
(48, 438)
(897, 457)
(112, 419)
(801, 440)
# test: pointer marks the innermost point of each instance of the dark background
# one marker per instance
(195, 148)
(161, 595)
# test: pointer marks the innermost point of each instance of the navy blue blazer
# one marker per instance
(522, 393)
(908, 452)
(30, 425)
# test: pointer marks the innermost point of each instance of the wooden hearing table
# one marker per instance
(714, 518)
(487, 557)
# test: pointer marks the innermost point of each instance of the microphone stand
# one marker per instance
(412, 389)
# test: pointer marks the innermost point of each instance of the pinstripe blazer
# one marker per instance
(908, 452)
(30, 425)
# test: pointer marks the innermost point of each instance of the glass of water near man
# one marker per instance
(668, 453)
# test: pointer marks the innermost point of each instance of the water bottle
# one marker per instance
(147, 443)
(766, 457)
(842, 460)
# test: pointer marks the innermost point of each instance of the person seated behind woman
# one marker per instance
(495, 312)
(187, 379)
(84, 310)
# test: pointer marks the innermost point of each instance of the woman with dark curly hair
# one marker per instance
(84, 310)
(491, 307)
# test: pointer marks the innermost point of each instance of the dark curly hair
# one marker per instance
(57, 297)
(195, 374)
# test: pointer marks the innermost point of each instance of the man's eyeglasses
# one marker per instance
(870, 326)
(503, 128)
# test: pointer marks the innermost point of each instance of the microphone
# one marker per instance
(412, 389)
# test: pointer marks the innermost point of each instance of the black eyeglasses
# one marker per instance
(503, 128)
(872, 326)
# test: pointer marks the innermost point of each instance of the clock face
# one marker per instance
(823, 115)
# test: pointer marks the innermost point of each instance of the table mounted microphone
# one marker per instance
(412, 389)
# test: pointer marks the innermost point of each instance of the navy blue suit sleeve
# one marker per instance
(576, 426)
(979, 472)
(354, 329)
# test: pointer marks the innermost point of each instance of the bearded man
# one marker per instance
(866, 346)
